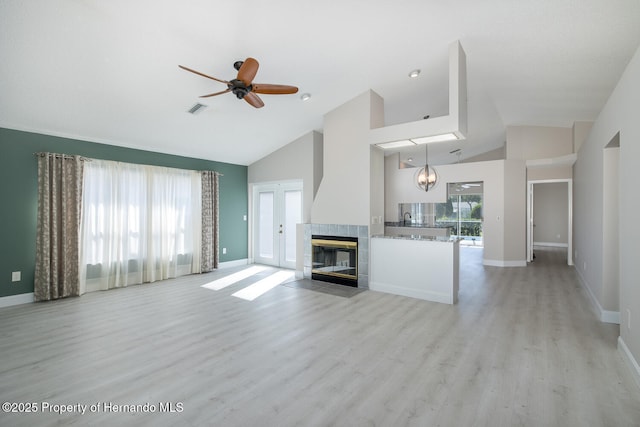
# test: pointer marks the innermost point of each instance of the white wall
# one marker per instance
(580, 133)
(298, 160)
(550, 212)
(504, 201)
(538, 142)
(515, 213)
(611, 230)
(344, 196)
(618, 115)
(541, 142)
(497, 154)
(377, 191)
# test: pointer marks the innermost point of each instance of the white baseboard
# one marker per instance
(235, 263)
(413, 293)
(631, 361)
(605, 316)
(501, 263)
(16, 299)
(551, 244)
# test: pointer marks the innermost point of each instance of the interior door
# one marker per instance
(277, 210)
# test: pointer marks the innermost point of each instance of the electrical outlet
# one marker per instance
(244, 217)
(16, 276)
(224, 250)
(628, 319)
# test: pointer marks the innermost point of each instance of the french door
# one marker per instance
(277, 210)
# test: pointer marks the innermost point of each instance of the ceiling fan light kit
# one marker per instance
(243, 87)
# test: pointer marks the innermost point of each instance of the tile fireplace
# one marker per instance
(341, 254)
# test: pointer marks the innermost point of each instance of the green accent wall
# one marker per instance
(19, 197)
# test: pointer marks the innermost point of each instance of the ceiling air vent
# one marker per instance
(196, 108)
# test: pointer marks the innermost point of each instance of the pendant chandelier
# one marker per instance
(426, 177)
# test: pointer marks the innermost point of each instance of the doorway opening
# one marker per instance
(277, 209)
(549, 213)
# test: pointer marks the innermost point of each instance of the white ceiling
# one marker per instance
(107, 71)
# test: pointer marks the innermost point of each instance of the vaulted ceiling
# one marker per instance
(107, 71)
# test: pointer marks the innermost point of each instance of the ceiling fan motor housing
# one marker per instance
(239, 88)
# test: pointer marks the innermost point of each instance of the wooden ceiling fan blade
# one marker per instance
(215, 94)
(203, 75)
(254, 100)
(248, 71)
(269, 89)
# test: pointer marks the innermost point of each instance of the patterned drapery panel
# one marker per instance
(210, 217)
(57, 241)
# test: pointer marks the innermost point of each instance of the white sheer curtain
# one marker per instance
(140, 224)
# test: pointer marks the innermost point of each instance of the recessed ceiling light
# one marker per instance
(305, 96)
(414, 73)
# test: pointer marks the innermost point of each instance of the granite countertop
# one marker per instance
(413, 225)
(442, 239)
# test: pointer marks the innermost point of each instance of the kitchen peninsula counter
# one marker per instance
(416, 266)
(400, 228)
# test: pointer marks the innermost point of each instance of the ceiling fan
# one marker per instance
(243, 87)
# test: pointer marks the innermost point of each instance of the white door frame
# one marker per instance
(276, 187)
(530, 202)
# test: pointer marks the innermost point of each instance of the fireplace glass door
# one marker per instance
(335, 259)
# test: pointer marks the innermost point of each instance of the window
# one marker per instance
(462, 211)
(140, 223)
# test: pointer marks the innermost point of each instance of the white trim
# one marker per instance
(501, 263)
(605, 316)
(631, 361)
(444, 298)
(236, 263)
(551, 244)
(16, 299)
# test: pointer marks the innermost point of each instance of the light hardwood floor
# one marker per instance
(522, 348)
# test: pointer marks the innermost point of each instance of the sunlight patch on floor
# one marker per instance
(261, 287)
(229, 280)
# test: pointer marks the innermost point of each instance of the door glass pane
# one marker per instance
(292, 216)
(265, 224)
